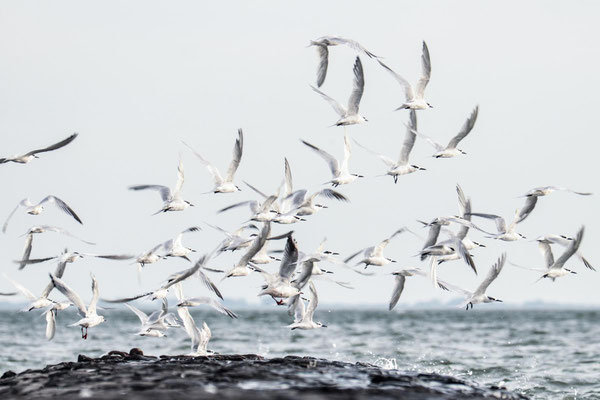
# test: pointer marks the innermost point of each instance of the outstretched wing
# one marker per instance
(196, 301)
(492, 275)
(237, 155)
(61, 205)
(408, 90)
(165, 192)
(218, 179)
(55, 146)
(466, 128)
(572, 249)
(314, 302)
(425, 72)
(409, 139)
(331, 161)
(5, 226)
(289, 260)
(386, 160)
(70, 294)
(398, 288)
(323, 64)
(339, 109)
(357, 90)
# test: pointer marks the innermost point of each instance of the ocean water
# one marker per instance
(543, 354)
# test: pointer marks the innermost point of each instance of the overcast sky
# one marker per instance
(135, 78)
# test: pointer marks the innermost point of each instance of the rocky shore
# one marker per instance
(134, 375)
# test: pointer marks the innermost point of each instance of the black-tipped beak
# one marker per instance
(323, 326)
(499, 301)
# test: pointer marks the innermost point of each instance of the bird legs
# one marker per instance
(279, 302)
(84, 335)
(469, 304)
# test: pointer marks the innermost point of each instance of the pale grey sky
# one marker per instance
(135, 78)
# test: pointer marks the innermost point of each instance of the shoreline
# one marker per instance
(135, 375)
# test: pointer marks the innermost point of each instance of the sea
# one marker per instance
(543, 354)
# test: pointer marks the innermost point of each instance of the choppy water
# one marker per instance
(542, 354)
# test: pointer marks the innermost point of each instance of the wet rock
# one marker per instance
(136, 376)
(8, 374)
(136, 352)
(83, 358)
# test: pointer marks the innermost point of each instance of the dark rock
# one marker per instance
(136, 376)
(8, 374)
(136, 352)
(84, 358)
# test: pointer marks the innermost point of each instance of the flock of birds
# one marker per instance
(298, 270)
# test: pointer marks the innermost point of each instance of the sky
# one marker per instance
(136, 78)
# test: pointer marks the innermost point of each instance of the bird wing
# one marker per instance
(524, 212)
(209, 284)
(572, 249)
(56, 229)
(55, 146)
(61, 205)
(180, 179)
(289, 260)
(323, 52)
(288, 182)
(95, 296)
(432, 237)
(252, 203)
(353, 255)
(569, 190)
(493, 274)
(500, 222)
(330, 194)
(165, 192)
(339, 109)
(256, 190)
(111, 256)
(331, 161)
(397, 291)
(464, 254)
(256, 245)
(409, 139)
(436, 145)
(58, 272)
(359, 86)
(218, 179)
(70, 294)
(386, 160)
(425, 72)
(464, 131)
(334, 40)
(305, 274)
(546, 253)
(189, 325)
(299, 309)
(196, 301)
(24, 291)
(237, 155)
(185, 274)
(347, 153)
(408, 90)
(314, 302)
(26, 250)
(464, 206)
(50, 324)
(140, 314)
(5, 226)
(127, 299)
